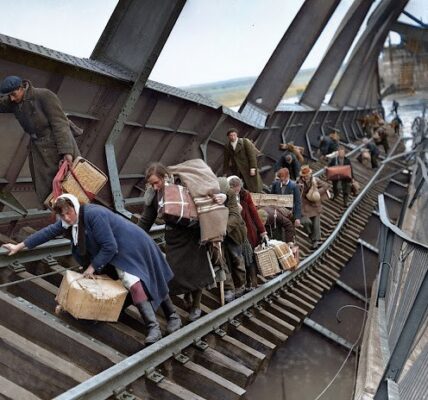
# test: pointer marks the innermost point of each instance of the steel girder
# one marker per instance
(366, 51)
(320, 82)
(288, 57)
(121, 44)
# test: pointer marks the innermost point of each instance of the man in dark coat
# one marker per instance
(286, 186)
(341, 159)
(288, 160)
(240, 158)
(40, 114)
(101, 238)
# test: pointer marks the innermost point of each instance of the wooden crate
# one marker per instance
(285, 255)
(277, 200)
(90, 178)
(266, 261)
(99, 298)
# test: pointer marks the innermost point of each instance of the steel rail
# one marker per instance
(54, 248)
(127, 371)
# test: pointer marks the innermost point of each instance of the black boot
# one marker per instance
(195, 311)
(174, 321)
(153, 330)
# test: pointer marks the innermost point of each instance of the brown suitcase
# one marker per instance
(339, 172)
(176, 205)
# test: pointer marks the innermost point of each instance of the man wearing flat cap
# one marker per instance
(40, 114)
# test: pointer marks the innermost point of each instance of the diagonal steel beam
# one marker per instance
(289, 56)
(133, 38)
(320, 82)
(366, 50)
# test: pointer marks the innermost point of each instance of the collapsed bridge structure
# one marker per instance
(129, 121)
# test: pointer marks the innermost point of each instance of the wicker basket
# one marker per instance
(267, 261)
(277, 200)
(285, 255)
(90, 177)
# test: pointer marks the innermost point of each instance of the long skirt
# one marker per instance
(188, 259)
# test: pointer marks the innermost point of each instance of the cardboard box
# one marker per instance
(99, 298)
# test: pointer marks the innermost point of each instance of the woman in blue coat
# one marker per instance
(100, 238)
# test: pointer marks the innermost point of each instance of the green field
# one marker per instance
(233, 91)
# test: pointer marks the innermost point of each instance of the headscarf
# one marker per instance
(74, 227)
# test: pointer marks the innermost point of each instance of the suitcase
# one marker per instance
(277, 200)
(176, 205)
(339, 172)
(99, 298)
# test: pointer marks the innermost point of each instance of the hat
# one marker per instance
(305, 170)
(9, 84)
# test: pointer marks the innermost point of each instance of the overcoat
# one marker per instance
(251, 218)
(240, 161)
(41, 116)
(185, 254)
(311, 208)
(110, 239)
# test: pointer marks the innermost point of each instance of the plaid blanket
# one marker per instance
(202, 183)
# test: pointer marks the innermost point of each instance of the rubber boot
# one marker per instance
(174, 321)
(195, 311)
(153, 330)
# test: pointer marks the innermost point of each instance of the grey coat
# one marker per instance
(41, 116)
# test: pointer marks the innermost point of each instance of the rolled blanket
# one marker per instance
(202, 183)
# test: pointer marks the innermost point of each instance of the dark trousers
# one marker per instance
(311, 226)
(236, 277)
(346, 188)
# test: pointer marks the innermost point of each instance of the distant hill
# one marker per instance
(233, 91)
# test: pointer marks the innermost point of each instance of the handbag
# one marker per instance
(339, 172)
(176, 205)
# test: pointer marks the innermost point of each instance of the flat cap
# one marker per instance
(10, 83)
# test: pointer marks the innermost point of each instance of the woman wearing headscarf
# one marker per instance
(100, 238)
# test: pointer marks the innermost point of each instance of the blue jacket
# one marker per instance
(111, 239)
(293, 189)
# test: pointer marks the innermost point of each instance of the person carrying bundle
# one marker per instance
(39, 112)
(312, 190)
(342, 180)
(187, 244)
(101, 238)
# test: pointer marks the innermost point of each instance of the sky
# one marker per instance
(213, 40)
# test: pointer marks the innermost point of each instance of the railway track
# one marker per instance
(43, 355)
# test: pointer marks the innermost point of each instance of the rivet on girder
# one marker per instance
(154, 376)
(220, 332)
(201, 345)
(181, 358)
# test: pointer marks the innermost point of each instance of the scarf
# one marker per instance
(74, 227)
